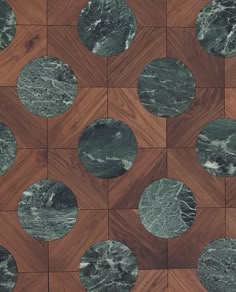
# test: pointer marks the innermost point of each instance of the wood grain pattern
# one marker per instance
(151, 281)
(230, 103)
(230, 72)
(231, 222)
(208, 70)
(28, 282)
(209, 191)
(150, 251)
(65, 282)
(230, 192)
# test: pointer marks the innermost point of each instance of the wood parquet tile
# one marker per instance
(28, 282)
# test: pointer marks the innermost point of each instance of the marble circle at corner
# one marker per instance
(108, 266)
(107, 27)
(47, 86)
(167, 208)
(47, 210)
(216, 28)
(216, 147)
(166, 87)
(107, 148)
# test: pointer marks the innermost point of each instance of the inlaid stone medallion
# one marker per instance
(216, 147)
(47, 86)
(107, 27)
(166, 87)
(217, 266)
(216, 28)
(167, 208)
(47, 210)
(8, 270)
(107, 148)
(108, 266)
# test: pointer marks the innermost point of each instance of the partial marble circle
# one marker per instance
(47, 210)
(216, 28)
(108, 266)
(7, 24)
(8, 270)
(166, 87)
(107, 27)
(216, 147)
(216, 266)
(7, 148)
(167, 208)
(107, 148)
(47, 86)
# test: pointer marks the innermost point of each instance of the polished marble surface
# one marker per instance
(47, 86)
(107, 148)
(217, 266)
(216, 147)
(167, 208)
(107, 27)
(216, 28)
(108, 266)
(166, 87)
(8, 270)
(47, 210)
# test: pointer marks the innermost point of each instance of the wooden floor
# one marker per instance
(47, 148)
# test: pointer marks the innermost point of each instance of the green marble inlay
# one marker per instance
(7, 24)
(107, 148)
(107, 27)
(47, 86)
(7, 148)
(216, 147)
(217, 266)
(47, 210)
(166, 87)
(216, 27)
(108, 266)
(167, 208)
(8, 270)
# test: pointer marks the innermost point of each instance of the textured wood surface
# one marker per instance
(153, 280)
(28, 282)
(231, 222)
(65, 282)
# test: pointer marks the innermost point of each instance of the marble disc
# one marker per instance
(47, 86)
(47, 210)
(7, 148)
(7, 24)
(8, 270)
(216, 147)
(107, 148)
(107, 27)
(166, 87)
(108, 266)
(216, 266)
(167, 208)
(216, 28)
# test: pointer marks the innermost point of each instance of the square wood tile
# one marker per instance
(153, 280)
(28, 282)
(230, 72)
(230, 192)
(231, 222)
(65, 281)
(230, 103)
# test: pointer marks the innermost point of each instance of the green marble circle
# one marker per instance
(166, 87)
(8, 270)
(107, 27)
(216, 266)
(167, 208)
(108, 266)
(107, 148)
(47, 86)
(7, 148)
(7, 24)
(216, 28)
(47, 210)
(216, 147)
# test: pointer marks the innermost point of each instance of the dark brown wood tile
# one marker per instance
(230, 192)
(65, 282)
(153, 280)
(230, 72)
(230, 103)
(208, 70)
(28, 282)
(231, 222)
(150, 251)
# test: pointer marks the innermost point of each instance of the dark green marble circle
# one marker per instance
(216, 28)
(107, 27)
(166, 87)
(7, 148)
(47, 86)
(216, 147)
(107, 148)
(47, 210)
(216, 266)
(8, 270)
(108, 266)
(7, 24)
(167, 208)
